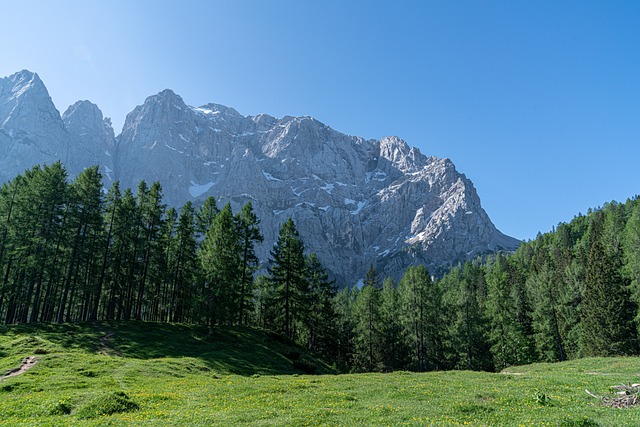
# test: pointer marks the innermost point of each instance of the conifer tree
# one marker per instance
(547, 320)
(248, 235)
(631, 245)
(468, 328)
(220, 259)
(162, 303)
(151, 212)
(287, 273)
(85, 217)
(394, 351)
(111, 206)
(185, 263)
(510, 344)
(205, 216)
(420, 300)
(320, 316)
(606, 312)
(368, 336)
(343, 304)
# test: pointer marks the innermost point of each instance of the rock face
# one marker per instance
(354, 201)
(31, 130)
(94, 140)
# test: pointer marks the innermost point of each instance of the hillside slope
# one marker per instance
(169, 376)
(169, 347)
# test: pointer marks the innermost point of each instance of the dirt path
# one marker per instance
(27, 363)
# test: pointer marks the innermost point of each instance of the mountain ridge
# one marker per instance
(355, 201)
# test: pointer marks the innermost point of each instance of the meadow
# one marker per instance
(148, 374)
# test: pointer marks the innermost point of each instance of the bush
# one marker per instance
(62, 407)
(107, 404)
(582, 422)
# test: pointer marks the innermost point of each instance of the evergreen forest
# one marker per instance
(73, 251)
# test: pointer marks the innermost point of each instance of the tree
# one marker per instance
(631, 245)
(248, 235)
(547, 320)
(371, 278)
(320, 316)
(205, 216)
(220, 259)
(607, 311)
(287, 273)
(468, 331)
(151, 213)
(368, 327)
(85, 216)
(510, 343)
(343, 304)
(420, 302)
(394, 351)
(184, 265)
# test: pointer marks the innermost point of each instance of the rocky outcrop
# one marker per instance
(354, 201)
(31, 130)
(94, 140)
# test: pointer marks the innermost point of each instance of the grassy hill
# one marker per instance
(145, 374)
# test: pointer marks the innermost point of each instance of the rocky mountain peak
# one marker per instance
(93, 136)
(354, 201)
(31, 130)
(86, 115)
(21, 95)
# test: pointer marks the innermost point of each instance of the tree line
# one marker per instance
(570, 293)
(73, 251)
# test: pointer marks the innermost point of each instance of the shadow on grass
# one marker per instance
(227, 349)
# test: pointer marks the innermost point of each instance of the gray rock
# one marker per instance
(94, 140)
(354, 201)
(31, 130)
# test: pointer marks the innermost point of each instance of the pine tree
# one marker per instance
(220, 259)
(547, 320)
(368, 327)
(151, 213)
(606, 312)
(205, 216)
(287, 273)
(248, 235)
(510, 343)
(468, 328)
(320, 316)
(111, 206)
(343, 304)
(183, 268)
(371, 278)
(420, 300)
(631, 245)
(86, 218)
(161, 303)
(394, 352)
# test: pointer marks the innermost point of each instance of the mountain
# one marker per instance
(354, 201)
(31, 129)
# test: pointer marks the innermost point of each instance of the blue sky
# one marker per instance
(537, 102)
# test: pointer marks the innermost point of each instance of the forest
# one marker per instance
(73, 251)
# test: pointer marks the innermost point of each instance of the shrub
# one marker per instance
(107, 404)
(62, 407)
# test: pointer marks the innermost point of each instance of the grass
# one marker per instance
(139, 374)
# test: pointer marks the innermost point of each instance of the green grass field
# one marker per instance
(141, 374)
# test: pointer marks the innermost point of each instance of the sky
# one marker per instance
(537, 102)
